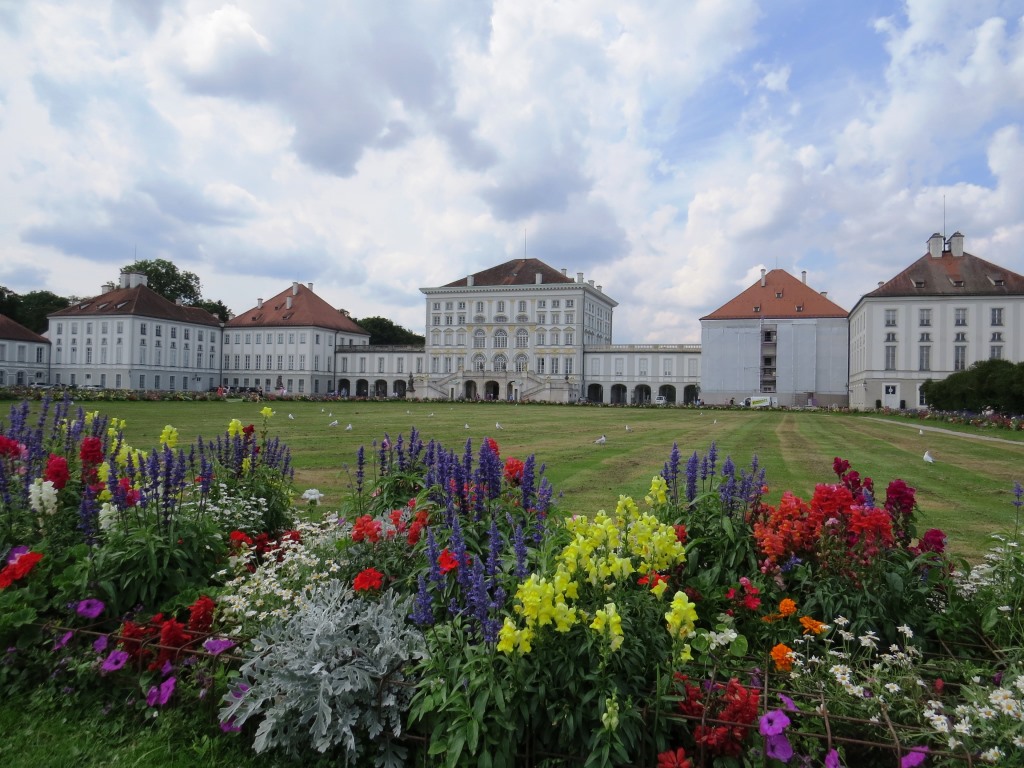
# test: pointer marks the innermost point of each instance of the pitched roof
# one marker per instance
(14, 331)
(781, 297)
(307, 310)
(140, 301)
(950, 275)
(515, 272)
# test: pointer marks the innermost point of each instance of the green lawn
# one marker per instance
(967, 492)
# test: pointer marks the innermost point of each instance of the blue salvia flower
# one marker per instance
(360, 469)
(704, 470)
(423, 607)
(433, 554)
(519, 547)
(691, 477)
(400, 453)
(415, 447)
(1018, 495)
(490, 470)
(712, 458)
(671, 474)
(88, 515)
(544, 494)
(727, 487)
(494, 548)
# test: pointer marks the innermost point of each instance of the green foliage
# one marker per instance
(147, 566)
(384, 331)
(996, 384)
(217, 308)
(168, 280)
(31, 309)
(332, 677)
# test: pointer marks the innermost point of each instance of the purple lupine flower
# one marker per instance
(544, 494)
(691, 477)
(519, 547)
(360, 469)
(712, 458)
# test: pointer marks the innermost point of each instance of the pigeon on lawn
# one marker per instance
(467, 426)
(497, 425)
(601, 440)
(291, 417)
(928, 457)
(629, 428)
(333, 423)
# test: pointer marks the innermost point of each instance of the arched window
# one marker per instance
(478, 363)
(521, 363)
(500, 339)
(500, 363)
(522, 338)
(479, 340)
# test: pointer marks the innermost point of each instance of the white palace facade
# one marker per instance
(523, 330)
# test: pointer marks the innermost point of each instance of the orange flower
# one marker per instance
(782, 655)
(787, 607)
(812, 625)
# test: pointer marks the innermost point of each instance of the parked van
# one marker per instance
(661, 400)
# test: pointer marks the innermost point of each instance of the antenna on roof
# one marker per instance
(943, 217)
(524, 242)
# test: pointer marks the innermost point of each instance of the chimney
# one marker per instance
(803, 276)
(763, 273)
(565, 272)
(935, 246)
(107, 287)
(956, 244)
(288, 302)
(824, 294)
(259, 303)
(600, 289)
(591, 283)
(179, 301)
(295, 290)
(881, 283)
(538, 278)
(579, 277)
(310, 286)
(469, 281)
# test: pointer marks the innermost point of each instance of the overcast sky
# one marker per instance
(666, 149)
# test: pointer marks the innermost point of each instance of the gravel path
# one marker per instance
(953, 432)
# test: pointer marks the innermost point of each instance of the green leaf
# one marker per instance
(738, 647)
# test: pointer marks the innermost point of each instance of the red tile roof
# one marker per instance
(951, 275)
(307, 310)
(515, 272)
(141, 301)
(797, 300)
(9, 329)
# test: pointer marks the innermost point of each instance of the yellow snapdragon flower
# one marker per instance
(234, 428)
(681, 616)
(169, 436)
(266, 412)
(659, 491)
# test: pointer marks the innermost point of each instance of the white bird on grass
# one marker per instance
(629, 428)
(467, 426)
(291, 417)
(348, 428)
(920, 431)
(333, 423)
(601, 440)
(928, 457)
(715, 421)
(430, 415)
(497, 425)
(330, 415)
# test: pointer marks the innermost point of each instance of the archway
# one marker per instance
(492, 391)
(668, 392)
(380, 388)
(362, 388)
(595, 393)
(690, 394)
(344, 387)
(510, 391)
(399, 388)
(618, 394)
(641, 395)
(469, 391)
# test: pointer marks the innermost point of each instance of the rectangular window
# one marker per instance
(302, 362)
(554, 366)
(280, 362)
(619, 365)
(568, 365)
(570, 303)
(995, 352)
(890, 318)
(39, 354)
(291, 362)
(924, 317)
(959, 358)
(237, 361)
(142, 329)
(890, 358)
(540, 365)
(362, 365)
(158, 331)
(316, 362)
(248, 338)
(997, 315)
(257, 361)
(960, 317)
(302, 338)
(238, 338)
(924, 359)
(280, 338)
(380, 365)
(419, 365)
(925, 337)
(344, 365)
(400, 362)
(117, 380)
(142, 381)
(248, 361)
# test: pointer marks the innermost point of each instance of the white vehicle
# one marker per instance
(661, 400)
(761, 401)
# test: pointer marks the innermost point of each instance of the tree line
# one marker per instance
(989, 384)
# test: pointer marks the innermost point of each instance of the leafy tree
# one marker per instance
(166, 279)
(36, 305)
(214, 307)
(384, 331)
(9, 302)
(996, 384)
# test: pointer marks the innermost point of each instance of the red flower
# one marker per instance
(447, 561)
(200, 617)
(57, 471)
(367, 579)
(681, 533)
(9, 448)
(248, 431)
(513, 471)
(654, 579)
(173, 638)
(19, 568)
(365, 527)
(91, 451)
(676, 759)
(239, 539)
(493, 445)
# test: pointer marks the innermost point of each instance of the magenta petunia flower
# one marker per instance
(832, 760)
(61, 641)
(100, 644)
(114, 661)
(215, 646)
(787, 703)
(773, 722)
(778, 747)
(914, 757)
(16, 552)
(90, 608)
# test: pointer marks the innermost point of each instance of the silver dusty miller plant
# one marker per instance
(331, 677)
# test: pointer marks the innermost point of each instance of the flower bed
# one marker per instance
(447, 611)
